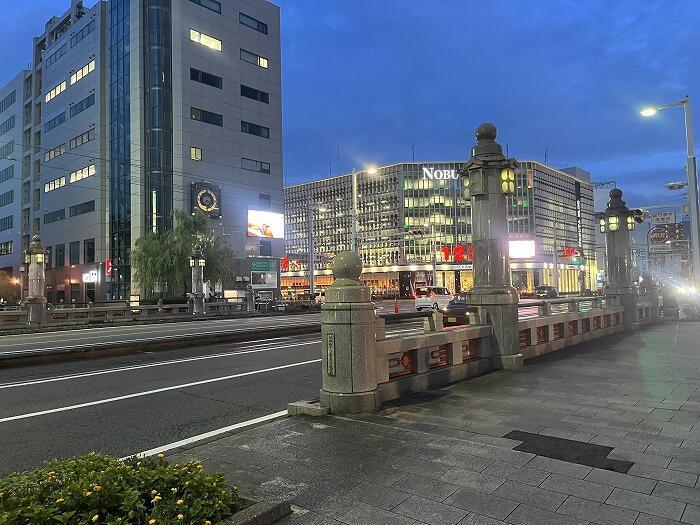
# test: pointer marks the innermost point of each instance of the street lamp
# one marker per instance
(197, 264)
(692, 179)
(35, 257)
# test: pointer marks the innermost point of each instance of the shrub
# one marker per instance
(96, 489)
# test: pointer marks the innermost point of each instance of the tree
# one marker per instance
(160, 258)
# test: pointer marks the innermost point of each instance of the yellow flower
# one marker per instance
(154, 492)
(88, 493)
(97, 488)
(181, 516)
(156, 499)
(95, 517)
(151, 522)
(207, 522)
(173, 490)
(161, 456)
(60, 500)
(180, 501)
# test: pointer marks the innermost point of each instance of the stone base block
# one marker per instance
(356, 403)
(36, 312)
(306, 408)
(507, 362)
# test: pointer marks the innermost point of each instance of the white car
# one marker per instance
(432, 297)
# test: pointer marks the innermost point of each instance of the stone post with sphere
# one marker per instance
(348, 337)
(489, 178)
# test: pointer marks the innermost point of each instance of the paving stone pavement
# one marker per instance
(442, 460)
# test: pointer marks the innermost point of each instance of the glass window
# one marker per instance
(82, 173)
(251, 22)
(7, 198)
(255, 94)
(55, 91)
(7, 125)
(49, 256)
(6, 223)
(195, 153)
(54, 184)
(255, 165)
(60, 255)
(264, 201)
(265, 248)
(74, 253)
(82, 72)
(8, 101)
(207, 116)
(82, 105)
(206, 78)
(5, 248)
(8, 173)
(252, 58)
(54, 216)
(57, 120)
(79, 209)
(255, 129)
(56, 55)
(55, 152)
(85, 31)
(89, 251)
(82, 138)
(212, 5)
(205, 40)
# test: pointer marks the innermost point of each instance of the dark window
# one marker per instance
(265, 247)
(5, 248)
(7, 101)
(251, 22)
(60, 255)
(207, 116)
(213, 5)
(6, 223)
(7, 198)
(89, 251)
(58, 54)
(74, 253)
(7, 125)
(206, 78)
(54, 216)
(7, 173)
(252, 58)
(85, 31)
(79, 209)
(255, 165)
(255, 94)
(82, 105)
(58, 119)
(82, 138)
(264, 201)
(7, 149)
(255, 129)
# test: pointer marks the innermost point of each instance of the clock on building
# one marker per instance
(206, 198)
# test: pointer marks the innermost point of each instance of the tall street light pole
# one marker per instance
(692, 180)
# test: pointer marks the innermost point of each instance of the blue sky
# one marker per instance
(567, 77)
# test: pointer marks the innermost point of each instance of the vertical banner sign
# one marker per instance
(579, 220)
(330, 354)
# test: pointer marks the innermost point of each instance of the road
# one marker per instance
(124, 405)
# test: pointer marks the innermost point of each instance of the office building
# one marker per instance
(134, 109)
(414, 215)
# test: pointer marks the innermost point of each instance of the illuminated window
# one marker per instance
(82, 72)
(252, 58)
(205, 40)
(83, 173)
(54, 184)
(56, 91)
(195, 153)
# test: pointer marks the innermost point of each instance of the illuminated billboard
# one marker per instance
(265, 224)
(521, 249)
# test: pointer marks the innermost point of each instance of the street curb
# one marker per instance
(262, 513)
(165, 343)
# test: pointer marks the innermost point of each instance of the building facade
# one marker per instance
(139, 108)
(414, 216)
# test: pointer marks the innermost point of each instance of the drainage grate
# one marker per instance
(569, 450)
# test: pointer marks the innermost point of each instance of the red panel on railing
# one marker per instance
(558, 331)
(471, 350)
(401, 364)
(616, 319)
(525, 338)
(541, 334)
(606, 320)
(438, 357)
(573, 327)
(586, 325)
(596, 322)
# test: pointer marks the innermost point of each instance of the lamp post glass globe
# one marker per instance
(648, 112)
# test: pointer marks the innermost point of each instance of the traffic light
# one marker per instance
(679, 231)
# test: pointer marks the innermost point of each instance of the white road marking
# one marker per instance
(241, 351)
(206, 435)
(151, 392)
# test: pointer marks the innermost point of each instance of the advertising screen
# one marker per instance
(265, 224)
(522, 249)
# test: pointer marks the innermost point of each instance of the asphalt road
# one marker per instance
(124, 405)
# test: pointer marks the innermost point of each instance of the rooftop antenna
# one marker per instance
(507, 149)
(545, 155)
(338, 156)
(413, 150)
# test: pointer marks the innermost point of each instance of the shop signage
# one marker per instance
(458, 253)
(658, 240)
(263, 273)
(663, 217)
(517, 248)
(433, 174)
(90, 277)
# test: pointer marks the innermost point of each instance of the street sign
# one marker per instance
(663, 217)
(658, 240)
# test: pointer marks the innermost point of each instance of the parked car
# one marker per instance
(546, 292)
(457, 311)
(432, 297)
(320, 297)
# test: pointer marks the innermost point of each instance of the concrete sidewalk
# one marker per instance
(441, 458)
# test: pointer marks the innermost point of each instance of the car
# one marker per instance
(546, 292)
(457, 311)
(320, 297)
(432, 297)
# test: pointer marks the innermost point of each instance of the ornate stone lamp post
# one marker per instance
(35, 257)
(490, 178)
(197, 264)
(616, 222)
